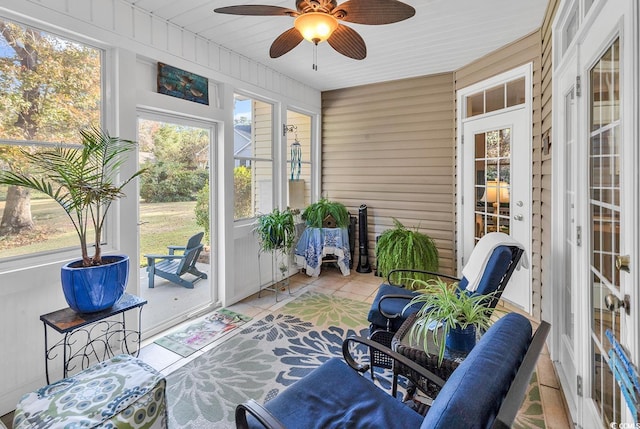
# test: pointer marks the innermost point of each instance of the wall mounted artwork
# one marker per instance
(182, 84)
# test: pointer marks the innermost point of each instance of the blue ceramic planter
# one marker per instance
(93, 289)
(461, 340)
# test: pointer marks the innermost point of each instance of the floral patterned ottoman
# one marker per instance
(120, 392)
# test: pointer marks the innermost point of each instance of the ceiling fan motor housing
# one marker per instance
(326, 6)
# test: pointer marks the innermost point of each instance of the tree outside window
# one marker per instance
(50, 87)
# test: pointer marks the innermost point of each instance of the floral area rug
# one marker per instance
(263, 359)
(195, 336)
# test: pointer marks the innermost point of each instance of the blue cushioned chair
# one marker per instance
(174, 266)
(387, 313)
(485, 391)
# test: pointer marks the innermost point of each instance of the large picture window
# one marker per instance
(50, 87)
(253, 155)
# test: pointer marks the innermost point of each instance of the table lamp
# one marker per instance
(496, 193)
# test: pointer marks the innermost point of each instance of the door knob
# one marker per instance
(622, 262)
(518, 217)
(612, 302)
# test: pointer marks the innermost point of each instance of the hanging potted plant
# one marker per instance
(400, 247)
(459, 314)
(83, 182)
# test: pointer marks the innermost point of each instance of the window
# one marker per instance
(50, 87)
(253, 155)
(499, 97)
(493, 181)
(298, 140)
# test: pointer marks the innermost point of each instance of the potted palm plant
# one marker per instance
(459, 315)
(401, 247)
(83, 181)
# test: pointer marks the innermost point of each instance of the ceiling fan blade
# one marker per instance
(348, 42)
(373, 12)
(285, 42)
(257, 10)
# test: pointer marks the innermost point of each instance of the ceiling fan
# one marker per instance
(318, 20)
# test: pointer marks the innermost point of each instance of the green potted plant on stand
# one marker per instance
(277, 233)
(401, 247)
(450, 317)
(83, 182)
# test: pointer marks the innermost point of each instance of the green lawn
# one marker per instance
(163, 224)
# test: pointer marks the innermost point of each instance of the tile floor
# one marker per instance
(357, 286)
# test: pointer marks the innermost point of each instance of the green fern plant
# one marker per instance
(401, 247)
(318, 211)
(276, 231)
(443, 303)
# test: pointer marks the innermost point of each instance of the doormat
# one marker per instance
(199, 334)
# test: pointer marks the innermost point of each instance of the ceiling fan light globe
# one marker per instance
(316, 27)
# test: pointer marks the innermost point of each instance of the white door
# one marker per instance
(569, 226)
(596, 186)
(608, 201)
(497, 188)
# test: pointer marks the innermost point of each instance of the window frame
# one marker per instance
(274, 155)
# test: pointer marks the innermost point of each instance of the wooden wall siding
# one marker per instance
(262, 170)
(522, 51)
(542, 157)
(391, 146)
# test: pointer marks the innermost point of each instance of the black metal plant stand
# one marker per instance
(91, 336)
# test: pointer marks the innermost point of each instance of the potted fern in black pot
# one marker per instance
(404, 248)
(84, 181)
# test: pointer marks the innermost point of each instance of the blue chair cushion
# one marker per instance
(336, 396)
(391, 306)
(490, 368)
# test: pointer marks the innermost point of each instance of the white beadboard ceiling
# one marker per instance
(444, 35)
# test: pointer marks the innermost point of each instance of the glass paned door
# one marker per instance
(175, 200)
(605, 211)
(493, 181)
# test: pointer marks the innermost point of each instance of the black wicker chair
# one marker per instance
(388, 313)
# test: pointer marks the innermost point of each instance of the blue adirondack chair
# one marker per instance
(173, 266)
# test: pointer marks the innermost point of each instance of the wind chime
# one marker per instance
(296, 154)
